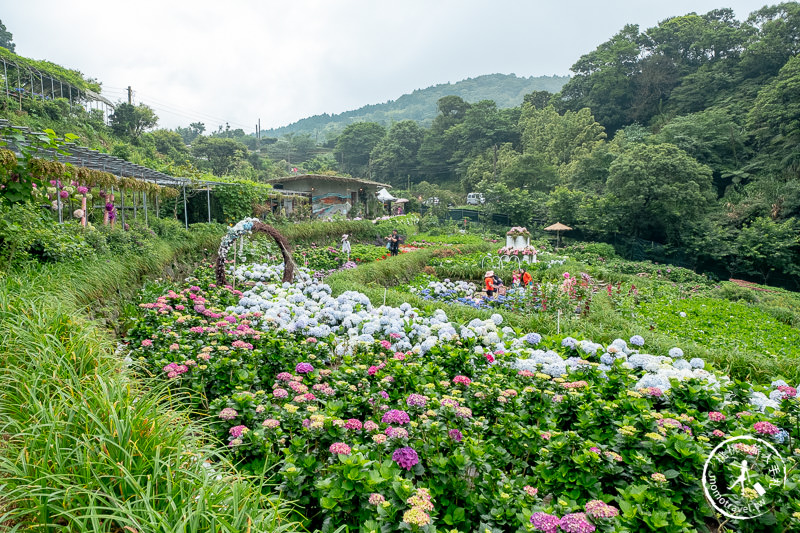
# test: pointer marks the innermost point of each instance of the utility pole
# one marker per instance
(130, 95)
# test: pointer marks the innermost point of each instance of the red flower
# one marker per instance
(490, 357)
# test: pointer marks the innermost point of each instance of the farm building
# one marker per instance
(331, 195)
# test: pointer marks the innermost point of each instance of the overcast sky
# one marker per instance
(241, 60)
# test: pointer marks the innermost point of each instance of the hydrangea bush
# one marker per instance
(390, 419)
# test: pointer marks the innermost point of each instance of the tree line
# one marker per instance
(685, 134)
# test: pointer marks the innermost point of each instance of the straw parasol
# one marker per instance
(558, 227)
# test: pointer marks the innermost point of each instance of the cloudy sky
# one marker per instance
(280, 61)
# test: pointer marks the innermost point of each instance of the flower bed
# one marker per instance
(390, 419)
(572, 296)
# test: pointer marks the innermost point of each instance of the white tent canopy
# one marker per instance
(384, 196)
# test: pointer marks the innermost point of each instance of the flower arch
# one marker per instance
(250, 225)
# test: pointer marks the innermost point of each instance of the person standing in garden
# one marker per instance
(346, 245)
(488, 279)
(394, 243)
(515, 278)
(527, 279)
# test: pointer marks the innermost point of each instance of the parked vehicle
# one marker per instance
(432, 201)
(475, 198)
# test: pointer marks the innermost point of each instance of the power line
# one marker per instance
(165, 107)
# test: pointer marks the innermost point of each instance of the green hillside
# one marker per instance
(506, 90)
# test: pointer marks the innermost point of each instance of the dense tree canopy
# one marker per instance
(355, 144)
(131, 121)
(6, 38)
(659, 190)
(220, 154)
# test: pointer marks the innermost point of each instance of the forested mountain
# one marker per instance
(683, 137)
(506, 90)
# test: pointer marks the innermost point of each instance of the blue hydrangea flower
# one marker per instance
(682, 364)
(676, 353)
(570, 343)
(637, 340)
(696, 362)
(533, 338)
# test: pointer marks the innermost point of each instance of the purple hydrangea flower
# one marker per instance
(455, 434)
(395, 416)
(417, 400)
(303, 368)
(547, 523)
(405, 457)
(576, 523)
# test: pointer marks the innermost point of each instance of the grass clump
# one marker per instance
(86, 446)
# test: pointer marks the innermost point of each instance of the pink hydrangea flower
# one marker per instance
(765, 428)
(353, 423)
(340, 448)
(228, 414)
(544, 522)
(576, 523)
(238, 431)
(716, 416)
(280, 393)
(600, 509)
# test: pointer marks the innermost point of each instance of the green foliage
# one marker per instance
(355, 144)
(238, 199)
(73, 77)
(6, 38)
(131, 121)
(713, 138)
(659, 190)
(775, 118)
(125, 453)
(395, 156)
(560, 138)
(743, 331)
(765, 246)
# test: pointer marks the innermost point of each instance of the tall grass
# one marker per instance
(87, 447)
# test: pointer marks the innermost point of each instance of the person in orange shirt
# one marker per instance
(527, 279)
(488, 279)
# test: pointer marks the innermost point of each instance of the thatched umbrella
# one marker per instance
(558, 227)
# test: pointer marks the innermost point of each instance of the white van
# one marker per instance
(475, 198)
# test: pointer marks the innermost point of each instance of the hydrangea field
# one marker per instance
(390, 418)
